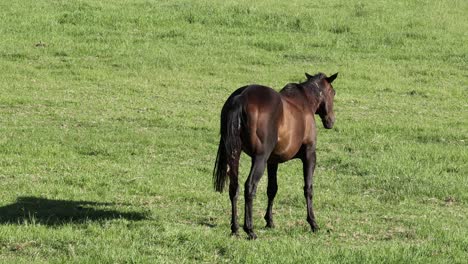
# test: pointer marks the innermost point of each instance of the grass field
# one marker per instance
(109, 125)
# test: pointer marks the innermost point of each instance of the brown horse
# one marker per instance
(271, 128)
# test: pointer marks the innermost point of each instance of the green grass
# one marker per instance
(109, 115)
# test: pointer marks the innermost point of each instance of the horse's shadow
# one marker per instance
(35, 210)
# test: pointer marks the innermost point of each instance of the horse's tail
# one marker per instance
(230, 144)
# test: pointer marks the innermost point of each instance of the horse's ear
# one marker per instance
(308, 76)
(332, 78)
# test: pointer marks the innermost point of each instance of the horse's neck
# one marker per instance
(312, 97)
(302, 100)
(303, 95)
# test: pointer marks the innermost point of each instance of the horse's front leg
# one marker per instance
(308, 162)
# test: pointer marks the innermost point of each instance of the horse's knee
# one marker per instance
(249, 191)
(307, 191)
(271, 191)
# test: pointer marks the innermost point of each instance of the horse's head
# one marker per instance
(326, 95)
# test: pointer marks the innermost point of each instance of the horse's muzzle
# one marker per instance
(328, 122)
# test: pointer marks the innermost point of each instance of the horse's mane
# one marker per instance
(294, 89)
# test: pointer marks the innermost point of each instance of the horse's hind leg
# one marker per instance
(271, 192)
(256, 172)
(234, 193)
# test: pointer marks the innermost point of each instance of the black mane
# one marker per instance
(294, 89)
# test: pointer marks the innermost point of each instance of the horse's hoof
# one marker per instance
(252, 236)
(270, 225)
(234, 230)
(314, 228)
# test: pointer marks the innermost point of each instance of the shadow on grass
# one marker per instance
(58, 212)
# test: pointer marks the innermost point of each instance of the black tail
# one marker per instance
(230, 144)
